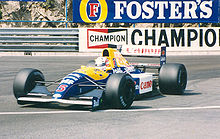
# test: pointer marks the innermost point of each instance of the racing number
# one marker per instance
(61, 88)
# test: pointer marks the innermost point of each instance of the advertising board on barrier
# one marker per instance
(104, 38)
(143, 11)
(27, 0)
(176, 39)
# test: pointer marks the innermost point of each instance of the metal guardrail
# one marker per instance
(35, 39)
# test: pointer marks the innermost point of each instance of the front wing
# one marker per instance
(92, 98)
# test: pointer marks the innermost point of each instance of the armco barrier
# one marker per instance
(180, 41)
(39, 40)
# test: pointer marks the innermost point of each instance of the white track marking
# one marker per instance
(40, 112)
(112, 110)
(165, 109)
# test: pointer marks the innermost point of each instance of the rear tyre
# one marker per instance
(172, 79)
(25, 81)
(119, 91)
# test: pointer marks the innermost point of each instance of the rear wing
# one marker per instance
(145, 51)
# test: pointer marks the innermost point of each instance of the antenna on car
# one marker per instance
(119, 48)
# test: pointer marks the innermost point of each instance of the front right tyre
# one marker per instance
(172, 79)
(120, 91)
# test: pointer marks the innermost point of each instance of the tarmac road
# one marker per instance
(192, 115)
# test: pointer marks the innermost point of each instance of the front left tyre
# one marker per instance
(25, 81)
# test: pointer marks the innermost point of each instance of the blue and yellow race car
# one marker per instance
(109, 81)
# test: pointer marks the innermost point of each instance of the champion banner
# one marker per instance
(175, 39)
(145, 11)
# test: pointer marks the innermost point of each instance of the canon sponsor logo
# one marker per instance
(145, 85)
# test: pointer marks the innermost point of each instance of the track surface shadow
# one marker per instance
(57, 106)
(139, 107)
(89, 108)
(74, 107)
(143, 97)
(190, 92)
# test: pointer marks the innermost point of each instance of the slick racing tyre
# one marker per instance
(120, 91)
(172, 79)
(24, 81)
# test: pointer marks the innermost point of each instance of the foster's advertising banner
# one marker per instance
(145, 11)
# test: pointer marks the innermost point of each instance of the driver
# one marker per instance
(102, 62)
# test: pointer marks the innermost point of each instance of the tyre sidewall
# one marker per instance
(126, 99)
(172, 78)
(24, 81)
(117, 94)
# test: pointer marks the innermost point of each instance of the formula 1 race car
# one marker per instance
(109, 81)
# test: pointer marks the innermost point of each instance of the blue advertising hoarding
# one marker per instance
(218, 12)
(145, 11)
(27, 0)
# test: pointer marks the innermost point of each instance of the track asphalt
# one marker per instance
(192, 115)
